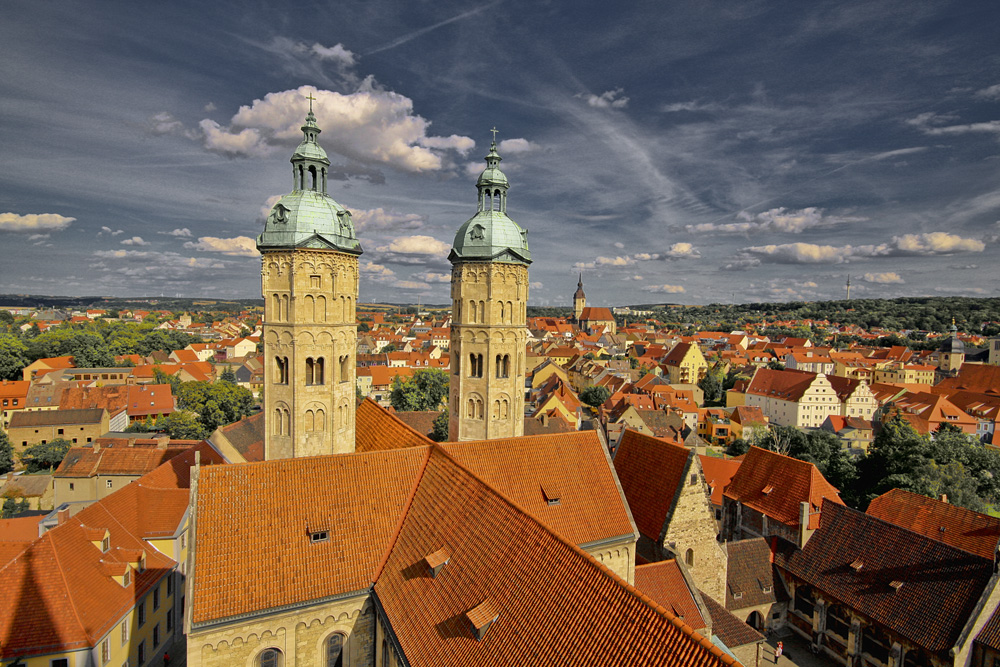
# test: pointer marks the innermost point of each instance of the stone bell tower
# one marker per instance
(489, 291)
(309, 279)
(579, 300)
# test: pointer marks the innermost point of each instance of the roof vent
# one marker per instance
(857, 565)
(767, 489)
(552, 493)
(436, 561)
(895, 585)
(482, 617)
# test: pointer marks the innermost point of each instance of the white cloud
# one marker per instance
(239, 246)
(619, 245)
(683, 250)
(536, 285)
(164, 123)
(693, 105)
(377, 272)
(935, 243)
(883, 278)
(39, 237)
(34, 222)
(776, 219)
(433, 277)
(663, 289)
(416, 245)
(609, 99)
(515, 146)
(181, 232)
(990, 93)
(370, 125)
(379, 218)
(337, 53)
(112, 232)
(135, 240)
(934, 125)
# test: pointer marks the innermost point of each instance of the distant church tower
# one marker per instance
(309, 279)
(489, 292)
(579, 300)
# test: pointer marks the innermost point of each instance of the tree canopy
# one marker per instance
(426, 389)
(45, 456)
(215, 403)
(595, 396)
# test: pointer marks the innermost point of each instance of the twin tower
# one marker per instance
(309, 280)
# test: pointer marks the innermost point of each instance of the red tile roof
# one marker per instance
(362, 496)
(967, 530)
(380, 430)
(730, 630)
(86, 462)
(664, 583)
(930, 572)
(589, 507)
(553, 602)
(718, 473)
(650, 471)
(749, 574)
(790, 481)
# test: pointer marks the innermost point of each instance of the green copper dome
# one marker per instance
(309, 217)
(490, 235)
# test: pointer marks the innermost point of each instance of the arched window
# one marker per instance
(504, 409)
(496, 409)
(318, 371)
(284, 308)
(312, 176)
(510, 312)
(270, 657)
(320, 420)
(503, 365)
(502, 311)
(310, 419)
(345, 368)
(335, 650)
(386, 657)
(281, 370)
(475, 365)
(689, 557)
(275, 307)
(472, 311)
(309, 370)
(310, 308)
(277, 421)
(482, 311)
(320, 315)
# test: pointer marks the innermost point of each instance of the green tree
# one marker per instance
(89, 350)
(215, 403)
(6, 454)
(144, 426)
(13, 356)
(13, 505)
(595, 396)
(440, 431)
(776, 365)
(426, 389)
(228, 376)
(160, 377)
(712, 384)
(45, 456)
(182, 425)
(895, 459)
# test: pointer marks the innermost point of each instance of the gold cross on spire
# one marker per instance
(494, 131)
(310, 98)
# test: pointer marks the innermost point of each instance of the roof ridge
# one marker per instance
(402, 515)
(686, 629)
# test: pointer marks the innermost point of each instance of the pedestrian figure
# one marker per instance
(166, 659)
(778, 650)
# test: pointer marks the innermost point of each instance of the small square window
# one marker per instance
(156, 598)
(71, 486)
(60, 431)
(141, 609)
(319, 536)
(109, 483)
(59, 662)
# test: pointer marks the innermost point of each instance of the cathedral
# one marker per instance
(358, 541)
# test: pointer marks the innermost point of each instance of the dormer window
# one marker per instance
(436, 561)
(551, 493)
(481, 617)
(319, 536)
(738, 595)
(127, 578)
(857, 565)
(767, 489)
(106, 544)
(895, 585)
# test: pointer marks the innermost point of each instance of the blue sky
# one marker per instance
(690, 152)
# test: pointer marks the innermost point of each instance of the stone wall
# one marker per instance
(299, 634)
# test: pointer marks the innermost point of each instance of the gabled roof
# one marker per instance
(718, 473)
(981, 378)
(23, 418)
(854, 557)
(597, 314)
(749, 574)
(786, 385)
(380, 430)
(774, 484)
(961, 528)
(88, 462)
(552, 603)
(730, 630)
(650, 471)
(664, 583)
(247, 436)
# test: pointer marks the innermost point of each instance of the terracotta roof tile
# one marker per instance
(572, 465)
(247, 437)
(749, 574)
(23, 418)
(718, 473)
(967, 530)
(664, 583)
(930, 571)
(554, 604)
(379, 430)
(650, 471)
(261, 514)
(85, 462)
(791, 482)
(730, 630)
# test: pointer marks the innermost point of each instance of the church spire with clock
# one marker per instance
(309, 280)
(489, 290)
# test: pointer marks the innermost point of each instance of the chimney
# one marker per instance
(162, 441)
(943, 498)
(97, 446)
(62, 516)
